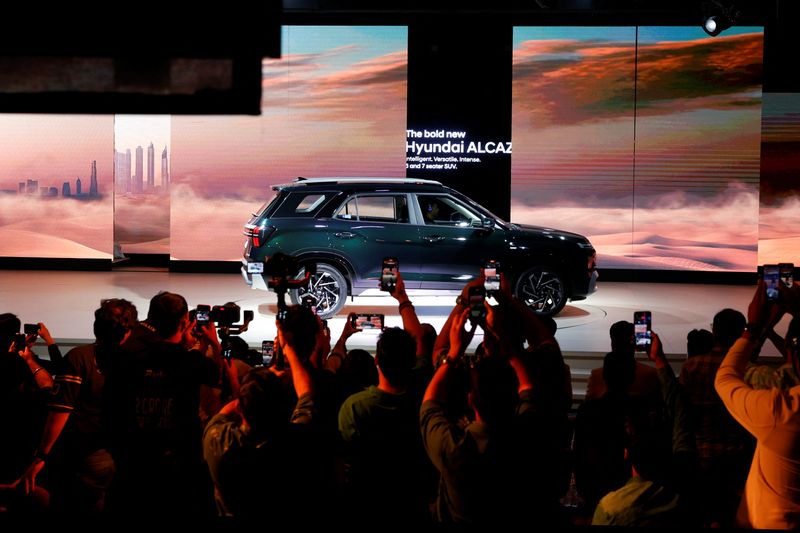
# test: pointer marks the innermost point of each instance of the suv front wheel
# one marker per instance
(542, 290)
(327, 287)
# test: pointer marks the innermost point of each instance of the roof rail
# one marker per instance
(302, 179)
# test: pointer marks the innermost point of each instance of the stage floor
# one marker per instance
(65, 302)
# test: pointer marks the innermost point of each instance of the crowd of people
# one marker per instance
(151, 419)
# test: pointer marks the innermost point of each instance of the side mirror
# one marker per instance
(484, 223)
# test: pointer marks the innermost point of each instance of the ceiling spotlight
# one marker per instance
(718, 17)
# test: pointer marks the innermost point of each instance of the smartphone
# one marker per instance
(772, 277)
(31, 329)
(267, 352)
(367, 321)
(477, 295)
(20, 342)
(389, 274)
(203, 315)
(491, 274)
(278, 360)
(786, 271)
(642, 330)
(310, 302)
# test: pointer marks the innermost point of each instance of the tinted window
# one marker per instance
(445, 211)
(301, 204)
(375, 209)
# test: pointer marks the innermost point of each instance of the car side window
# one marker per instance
(299, 204)
(372, 208)
(444, 210)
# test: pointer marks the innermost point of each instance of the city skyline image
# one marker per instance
(142, 157)
(46, 153)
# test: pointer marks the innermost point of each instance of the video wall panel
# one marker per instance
(56, 186)
(779, 212)
(333, 105)
(648, 144)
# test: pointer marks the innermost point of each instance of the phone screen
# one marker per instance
(787, 273)
(389, 274)
(477, 295)
(771, 279)
(369, 321)
(203, 315)
(491, 273)
(267, 352)
(642, 324)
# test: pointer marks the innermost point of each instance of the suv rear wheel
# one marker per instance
(328, 288)
(542, 290)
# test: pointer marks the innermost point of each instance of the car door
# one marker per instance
(454, 243)
(370, 226)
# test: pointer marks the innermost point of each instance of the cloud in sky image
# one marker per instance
(333, 105)
(694, 106)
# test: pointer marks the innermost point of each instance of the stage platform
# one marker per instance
(65, 302)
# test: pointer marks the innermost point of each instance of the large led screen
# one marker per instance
(141, 184)
(56, 188)
(333, 105)
(779, 230)
(645, 140)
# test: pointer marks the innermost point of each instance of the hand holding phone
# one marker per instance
(389, 274)
(642, 330)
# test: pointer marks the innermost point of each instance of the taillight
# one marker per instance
(259, 234)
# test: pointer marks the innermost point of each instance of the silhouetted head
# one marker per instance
(699, 342)
(113, 319)
(727, 327)
(10, 325)
(358, 369)
(621, 334)
(396, 355)
(167, 311)
(303, 326)
(264, 402)
(428, 339)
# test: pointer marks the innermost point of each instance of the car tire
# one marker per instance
(542, 290)
(329, 289)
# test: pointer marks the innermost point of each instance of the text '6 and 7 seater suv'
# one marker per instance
(440, 237)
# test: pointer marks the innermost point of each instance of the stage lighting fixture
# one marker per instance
(718, 17)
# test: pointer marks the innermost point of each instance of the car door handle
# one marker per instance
(344, 235)
(433, 238)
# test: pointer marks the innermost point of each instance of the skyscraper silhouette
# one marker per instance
(78, 187)
(126, 170)
(151, 167)
(32, 187)
(93, 182)
(139, 176)
(65, 190)
(164, 171)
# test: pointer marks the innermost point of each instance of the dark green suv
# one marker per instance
(440, 237)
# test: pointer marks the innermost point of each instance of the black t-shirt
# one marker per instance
(155, 398)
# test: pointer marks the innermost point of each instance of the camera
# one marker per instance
(283, 271)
